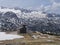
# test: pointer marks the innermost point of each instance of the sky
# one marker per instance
(42, 5)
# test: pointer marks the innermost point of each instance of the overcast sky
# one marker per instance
(45, 5)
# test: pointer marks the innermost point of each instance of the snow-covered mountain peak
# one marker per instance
(19, 13)
(8, 9)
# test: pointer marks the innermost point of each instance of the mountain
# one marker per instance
(12, 19)
(23, 10)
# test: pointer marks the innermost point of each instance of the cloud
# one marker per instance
(42, 5)
(53, 8)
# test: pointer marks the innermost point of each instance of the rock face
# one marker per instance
(8, 21)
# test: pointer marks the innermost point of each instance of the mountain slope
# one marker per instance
(12, 19)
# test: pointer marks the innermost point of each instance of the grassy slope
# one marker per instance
(41, 41)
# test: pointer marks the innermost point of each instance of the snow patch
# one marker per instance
(4, 36)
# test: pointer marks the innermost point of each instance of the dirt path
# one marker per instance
(14, 32)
